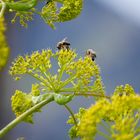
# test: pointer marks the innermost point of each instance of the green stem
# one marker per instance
(72, 89)
(15, 122)
(61, 72)
(91, 94)
(20, 6)
(73, 83)
(67, 90)
(39, 79)
(84, 94)
(49, 80)
(36, 77)
(3, 8)
(72, 114)
(67, 81)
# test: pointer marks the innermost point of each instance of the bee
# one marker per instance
(65, 45)
(48, 1)
(91, 54)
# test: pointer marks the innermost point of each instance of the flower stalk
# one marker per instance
(2, 8)
(72, 114)
(19, 119)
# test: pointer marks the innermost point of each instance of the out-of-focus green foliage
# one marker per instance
(69, 9)
(52, 11)
(4, 49)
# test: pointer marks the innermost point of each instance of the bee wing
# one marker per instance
(64, 39)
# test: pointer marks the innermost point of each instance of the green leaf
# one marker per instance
(38, 99)
(62, 99)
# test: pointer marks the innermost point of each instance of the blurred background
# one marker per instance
(111, 28)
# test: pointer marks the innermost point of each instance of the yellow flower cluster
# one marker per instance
(98, 86)
(125, 128)
(21, 102)
(126, 116)
(35, 91)
(121, 90)
(86, 68)
(122, 112)
(87, 127)
(4, 50)
(49, 15)
(65, 57)
(79, 71)
(83, 69)
(73, 129)
(79, 77)
(35, 63)
(24, 17)
(69, 10)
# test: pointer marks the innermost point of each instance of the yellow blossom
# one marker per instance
(69, 10)
(87, 127)
(121, 112)
(79, 71)
(35, 63)
(21, 102)
(4, 50)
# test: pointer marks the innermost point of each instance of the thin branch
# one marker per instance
(90, 94)
(3, 8)
(93, 94)
(67, 81)
(39, 79)
(15, 122)
(72, 114)
(60, 74)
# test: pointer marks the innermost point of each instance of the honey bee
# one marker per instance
(48, 1)
(65, 45)
(91, 54)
